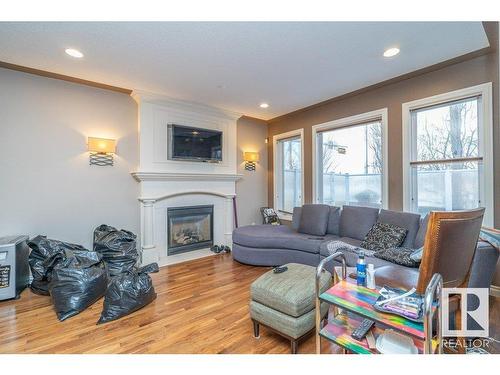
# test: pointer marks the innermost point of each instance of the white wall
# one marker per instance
(251, 190)
(46, 184)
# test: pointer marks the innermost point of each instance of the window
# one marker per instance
(448, 155)
(288, 168)
(350, 161)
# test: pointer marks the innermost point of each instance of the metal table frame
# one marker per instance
(432, 294)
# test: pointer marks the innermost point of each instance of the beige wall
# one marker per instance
(251, 190)
(460, 75)
(46, 184)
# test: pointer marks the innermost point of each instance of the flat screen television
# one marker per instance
(194, 144)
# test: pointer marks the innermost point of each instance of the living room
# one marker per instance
(267, 187)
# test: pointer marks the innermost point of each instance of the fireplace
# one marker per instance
(189, 228)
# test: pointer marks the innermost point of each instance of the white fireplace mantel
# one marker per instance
(162, 176)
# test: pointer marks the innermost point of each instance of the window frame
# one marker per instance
(277, 169)
(376, 115)
(485, 141)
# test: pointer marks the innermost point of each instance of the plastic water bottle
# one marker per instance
(370, 276)
(361, 269)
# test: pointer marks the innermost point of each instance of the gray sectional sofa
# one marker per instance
(314, 226)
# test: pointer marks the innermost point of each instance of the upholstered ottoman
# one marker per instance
(285, 302)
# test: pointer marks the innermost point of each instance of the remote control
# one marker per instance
(362, 329)
(280, 269)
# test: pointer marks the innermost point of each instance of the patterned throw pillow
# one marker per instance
(383, 236)
(398, 255)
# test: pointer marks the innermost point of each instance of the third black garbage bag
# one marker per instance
(117, 247)
(77, 282)
(128, 292)
(45, 254)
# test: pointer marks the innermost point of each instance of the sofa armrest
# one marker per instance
(483, 266)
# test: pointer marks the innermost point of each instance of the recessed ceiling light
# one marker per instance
(391, 52)
(74, 53)
(264, 105)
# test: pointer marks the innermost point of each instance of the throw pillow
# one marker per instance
(398, 255)
(314, 219)
(383, 236)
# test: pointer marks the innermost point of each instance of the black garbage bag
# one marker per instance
(117, 247)
(77, 282)
(128, 292)
(45, 254)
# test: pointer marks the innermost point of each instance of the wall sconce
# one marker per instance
(250, 159)
(101, 151)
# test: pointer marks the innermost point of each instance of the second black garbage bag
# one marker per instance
(45, 254)
(117, 247)
(128, 292)
(77, 282)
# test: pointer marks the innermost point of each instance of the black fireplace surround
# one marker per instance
(189, 228)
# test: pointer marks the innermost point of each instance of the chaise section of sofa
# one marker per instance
(271, 245)
(314, 226)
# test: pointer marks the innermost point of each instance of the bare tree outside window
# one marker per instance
(449, 133)
(443, 133)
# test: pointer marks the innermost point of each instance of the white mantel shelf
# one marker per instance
(162, 176)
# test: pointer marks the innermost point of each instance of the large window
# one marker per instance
(288, 171)
(447, 152)
(349, 162)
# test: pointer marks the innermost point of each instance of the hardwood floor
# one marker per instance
(202, 307)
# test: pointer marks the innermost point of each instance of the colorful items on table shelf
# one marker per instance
(407, 304)
(360, 300)
(339, 330)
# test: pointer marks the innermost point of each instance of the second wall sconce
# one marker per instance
(101, 151)
(250, 159)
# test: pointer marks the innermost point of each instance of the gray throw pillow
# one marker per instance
(398, 255)
(314, 219)
(383, 236)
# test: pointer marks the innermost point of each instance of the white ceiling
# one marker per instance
(237, 65)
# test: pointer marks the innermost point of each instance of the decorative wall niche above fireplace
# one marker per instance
(189, 228)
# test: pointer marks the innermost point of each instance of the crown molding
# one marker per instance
(62, 77)
(159, 99)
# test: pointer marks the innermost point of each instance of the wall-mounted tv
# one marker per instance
(194, 144)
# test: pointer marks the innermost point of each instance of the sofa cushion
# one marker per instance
(355, 222)
(314, 219)
(276, 237)
(333, 221)
(422, 230)
(296, 218)
(383, 236)
(407, 220)
(398, 255)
